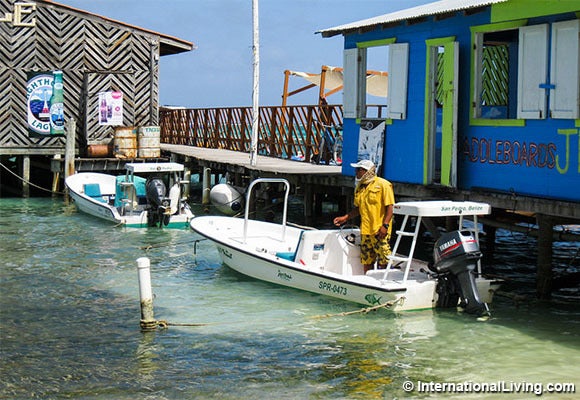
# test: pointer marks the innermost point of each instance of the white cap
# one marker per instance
(364, 164)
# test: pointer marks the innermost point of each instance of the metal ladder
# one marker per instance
(415, 234)
(402, 258)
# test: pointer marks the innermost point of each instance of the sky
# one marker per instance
(219, 71)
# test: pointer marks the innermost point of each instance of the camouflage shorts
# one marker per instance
(373, 249)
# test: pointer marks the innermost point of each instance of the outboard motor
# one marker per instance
(455, 259)
(158, 204)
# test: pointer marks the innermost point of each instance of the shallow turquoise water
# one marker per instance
(69, 306)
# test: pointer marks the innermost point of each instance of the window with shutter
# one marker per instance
(519, 74)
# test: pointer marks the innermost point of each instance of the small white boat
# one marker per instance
(136, 199)
(328, 261)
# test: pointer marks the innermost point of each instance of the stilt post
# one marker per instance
(26, 176)
(148, 322)
(69, 155)
(544, 267)
(206, 186)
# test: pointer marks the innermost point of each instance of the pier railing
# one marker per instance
(284, 132)
(291, 132)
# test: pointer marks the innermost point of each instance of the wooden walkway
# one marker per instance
(263, 163)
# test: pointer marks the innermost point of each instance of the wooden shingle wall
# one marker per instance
(95, 56)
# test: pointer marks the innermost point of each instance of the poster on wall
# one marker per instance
(110, 108)
(371, 141)
(45, 104)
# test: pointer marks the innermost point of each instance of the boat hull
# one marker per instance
(262, 256)
(324, 284)
(103, 207)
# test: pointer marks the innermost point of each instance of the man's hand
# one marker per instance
(382, 233)
(338, 221)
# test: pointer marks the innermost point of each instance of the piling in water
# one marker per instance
(148, 321)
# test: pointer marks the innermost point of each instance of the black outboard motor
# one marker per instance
(455, 259)
(158, 204)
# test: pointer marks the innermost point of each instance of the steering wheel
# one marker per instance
(350, 234)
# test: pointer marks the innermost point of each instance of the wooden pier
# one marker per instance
(316, 183)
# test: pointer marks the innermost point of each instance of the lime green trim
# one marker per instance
(503, 26)
(375, 43)
(474, 31)
(440, 41)
(426, 120)
(496, 122)
(446, 156)
(517, 9)
(447, 116)
(577, 123)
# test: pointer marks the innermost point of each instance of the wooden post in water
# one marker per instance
(148, 322)
(186, 183)
(308, 203)
(544, 267)
(26, 176)
(55, 175)
(206, 186)
(489, 249)
(69, 154)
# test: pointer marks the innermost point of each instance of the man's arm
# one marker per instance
(338, 221)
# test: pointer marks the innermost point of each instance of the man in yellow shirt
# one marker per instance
(373, 201)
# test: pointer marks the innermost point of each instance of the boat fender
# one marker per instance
(174, 194)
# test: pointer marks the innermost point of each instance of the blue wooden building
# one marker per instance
(483, 95)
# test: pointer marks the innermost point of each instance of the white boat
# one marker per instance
(327, 261)
(136, 199)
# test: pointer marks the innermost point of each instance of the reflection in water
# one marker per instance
(69, 304)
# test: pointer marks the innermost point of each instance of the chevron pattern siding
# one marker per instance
(94, 54)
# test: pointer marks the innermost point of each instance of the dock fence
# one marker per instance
(283, 132)
(290, 132)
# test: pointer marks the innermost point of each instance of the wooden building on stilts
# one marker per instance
(100, 59)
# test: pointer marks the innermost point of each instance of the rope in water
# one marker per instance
(163, 324)
(166, 244)
(30, 183)
(365, 310)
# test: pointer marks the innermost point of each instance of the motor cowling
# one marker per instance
(158, 203)
(455, 257)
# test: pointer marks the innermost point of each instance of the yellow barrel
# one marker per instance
(149, 141)
(125, 142)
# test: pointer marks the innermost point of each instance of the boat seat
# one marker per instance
(130, 191)
(290, 255)
(310, 251)
(93, 190)
(287, 255)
